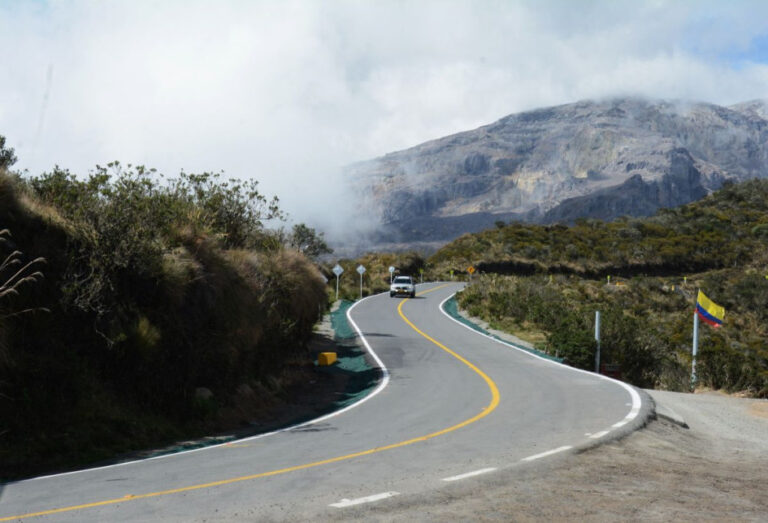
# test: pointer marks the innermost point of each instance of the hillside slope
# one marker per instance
(161, 312)
(547, 281)
(595, 159)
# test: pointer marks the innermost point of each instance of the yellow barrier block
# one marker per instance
(326, 358)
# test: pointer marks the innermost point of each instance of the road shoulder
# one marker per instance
(714, 471)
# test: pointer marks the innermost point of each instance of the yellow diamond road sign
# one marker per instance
(471, 270)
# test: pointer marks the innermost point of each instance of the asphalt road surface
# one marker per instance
(453, 405)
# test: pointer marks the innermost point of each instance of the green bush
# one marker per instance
(646, 325)
(551, 278)
(722, 230)
(572, 340)
(156, 287)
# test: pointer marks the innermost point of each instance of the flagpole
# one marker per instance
(695, 348)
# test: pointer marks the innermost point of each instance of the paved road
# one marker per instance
(456, 404)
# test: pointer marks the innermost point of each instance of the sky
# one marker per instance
(288, 92)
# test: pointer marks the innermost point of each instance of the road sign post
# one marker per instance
(361, 271)
(471, 271)
(337, 270)
(391, 274)
(597, 339)
(421, 275)
(695, 348)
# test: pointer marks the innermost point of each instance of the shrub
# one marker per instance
(646, 326)
(156, 288)
(572, 340)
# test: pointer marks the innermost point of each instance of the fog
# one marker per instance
(288, 92)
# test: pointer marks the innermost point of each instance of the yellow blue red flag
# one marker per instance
(709, 311)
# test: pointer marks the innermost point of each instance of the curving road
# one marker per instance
(453, 405)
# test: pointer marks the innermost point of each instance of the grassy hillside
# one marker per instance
(164, 310)
(722, 230)
(548, 281)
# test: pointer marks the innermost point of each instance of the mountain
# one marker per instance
(602, 159)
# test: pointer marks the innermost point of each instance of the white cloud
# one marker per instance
(288, 91)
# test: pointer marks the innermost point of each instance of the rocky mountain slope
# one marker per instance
(604, 159)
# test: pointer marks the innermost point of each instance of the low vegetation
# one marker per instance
(724, 230)
(152, 309)
(549, 280)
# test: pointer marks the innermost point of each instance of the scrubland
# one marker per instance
(546, 282)
(163, 308)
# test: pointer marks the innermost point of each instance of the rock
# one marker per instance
(604, 159)
(636, 197)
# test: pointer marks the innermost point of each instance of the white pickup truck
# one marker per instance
(402, 286)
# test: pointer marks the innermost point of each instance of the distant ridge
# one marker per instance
(602, 159)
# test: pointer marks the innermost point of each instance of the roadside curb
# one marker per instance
(621, 429)
(452, 309)
(667, 414)
(644, 416)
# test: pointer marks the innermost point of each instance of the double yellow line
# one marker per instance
(486, 410)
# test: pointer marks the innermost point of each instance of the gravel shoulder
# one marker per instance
(716, 470)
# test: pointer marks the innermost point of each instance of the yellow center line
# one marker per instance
(486, 410)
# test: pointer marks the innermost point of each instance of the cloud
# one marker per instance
(287, 92)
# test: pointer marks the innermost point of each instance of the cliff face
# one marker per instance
(593, 159)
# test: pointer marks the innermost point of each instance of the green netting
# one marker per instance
(341, 328)
(452, 308)
(361, 376)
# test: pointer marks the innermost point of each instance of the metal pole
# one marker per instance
(695, 347)
(597, 339)
(337, 287)
(361, 286)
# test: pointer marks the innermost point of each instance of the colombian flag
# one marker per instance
(709, 311)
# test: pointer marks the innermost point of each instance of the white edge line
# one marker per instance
(636, 401)
(598, 435)
(547, 453)
(470, 474)
(384, 382)
(367, 499)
